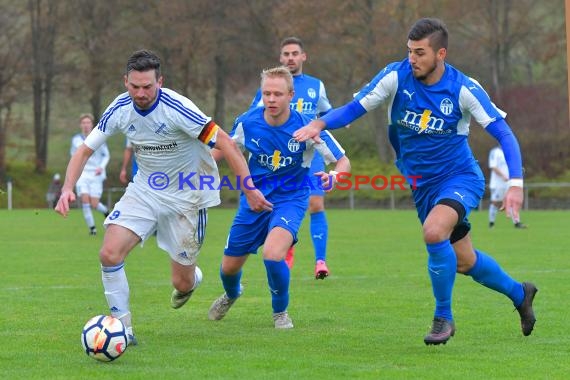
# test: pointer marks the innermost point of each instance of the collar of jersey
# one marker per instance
(149, 110)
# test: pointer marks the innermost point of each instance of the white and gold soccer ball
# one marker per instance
(104, 338)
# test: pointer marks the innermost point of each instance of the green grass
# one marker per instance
(365, 321)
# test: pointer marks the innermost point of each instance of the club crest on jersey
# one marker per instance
(312, 93)
(446, 106)
(293, 145)
(161, 130)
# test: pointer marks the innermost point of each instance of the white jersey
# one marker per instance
(99, 159)
(497, 160)
(171, 142)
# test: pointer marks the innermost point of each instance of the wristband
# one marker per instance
(518, 182)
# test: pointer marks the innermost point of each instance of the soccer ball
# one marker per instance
(104, 338)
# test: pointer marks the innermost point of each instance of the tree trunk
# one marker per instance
(43, 28)
(220, 95)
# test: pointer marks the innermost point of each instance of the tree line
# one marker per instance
(213, 51)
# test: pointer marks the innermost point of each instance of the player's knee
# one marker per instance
(273, 254)
(110, 256)
(316, 204)
(231, 265)
(434, 234)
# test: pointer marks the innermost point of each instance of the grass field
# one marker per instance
(365, 321)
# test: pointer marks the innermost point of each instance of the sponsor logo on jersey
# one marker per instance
(155, 149)
(274, 161)
(302, 106)
(423, 123)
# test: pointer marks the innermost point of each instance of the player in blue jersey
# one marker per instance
(171, 138)
(310, 99)
(430, 107)
(280, 169)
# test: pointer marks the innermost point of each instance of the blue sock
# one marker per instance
(278, 278)
(231, 283)
(489, 273)
(319, 234)
(442, 265)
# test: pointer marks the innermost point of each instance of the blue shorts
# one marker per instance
(317, 165)
(465, 188)
(250, 229)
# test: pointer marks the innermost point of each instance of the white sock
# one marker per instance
(102, 208)
(117, 292)
(493, 213)
(88, 215)
(197, 277)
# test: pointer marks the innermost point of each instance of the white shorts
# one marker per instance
(498, 193)
(181, 234)
(92, 186)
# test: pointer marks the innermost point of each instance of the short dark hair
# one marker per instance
(291, 41)
(431, 28)
(143, 60)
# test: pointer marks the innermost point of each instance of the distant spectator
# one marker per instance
(498, 185)
(90, 184)
(54, 191)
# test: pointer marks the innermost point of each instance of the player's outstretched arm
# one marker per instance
(337, 118)
(513, 200)
(512, 203)
(236, 161)
(217, 154)
(310, 131)
(329, 179)
(74, 169)
(127, 154)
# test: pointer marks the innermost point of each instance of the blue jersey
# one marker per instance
(429, 125)
(279, 165)
(310, 97)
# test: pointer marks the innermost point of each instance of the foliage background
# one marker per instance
(61, 58)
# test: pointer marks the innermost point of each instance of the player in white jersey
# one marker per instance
(90, 185)
(498, 185)
(430, 105)
(173, 188)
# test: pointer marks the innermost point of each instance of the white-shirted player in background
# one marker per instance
(171, 140)
(90, 185)
(498, 185)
